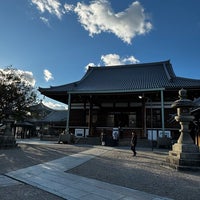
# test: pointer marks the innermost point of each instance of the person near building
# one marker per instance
(134, 143)
(103, 138)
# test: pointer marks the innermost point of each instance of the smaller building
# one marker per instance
(53, 124)
(44, 122)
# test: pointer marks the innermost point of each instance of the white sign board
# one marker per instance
(166, 133)
(152, 135)
(86, 132)
(79, 132)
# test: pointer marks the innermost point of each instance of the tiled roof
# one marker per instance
(56, 116)
(135, 77)
(40, 107)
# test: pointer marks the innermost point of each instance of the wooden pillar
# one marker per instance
(85, 116)
(162, 112)
(144, 111)
(90, 116)
(144, 120)
(68, 112)
(84, 113)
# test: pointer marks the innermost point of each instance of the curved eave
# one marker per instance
(63, 96)
(114, 91)
(60, 96)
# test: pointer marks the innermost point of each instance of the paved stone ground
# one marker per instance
(144, 172)
(24, 156)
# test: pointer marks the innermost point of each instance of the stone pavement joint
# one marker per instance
(51, 177)
(7, 181)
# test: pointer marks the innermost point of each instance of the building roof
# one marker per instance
(40, 107)
(124, 78)
(56, 116)
(24, 124)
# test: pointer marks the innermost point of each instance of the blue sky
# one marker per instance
(53, 41)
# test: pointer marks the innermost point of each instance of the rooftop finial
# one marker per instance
(182, 93)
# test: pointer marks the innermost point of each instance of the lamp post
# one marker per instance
(8, 139)
(185, 154)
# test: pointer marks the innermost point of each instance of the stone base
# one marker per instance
(7, 141)
(164, 142)
(185, 148)
(48, 138)
(66, 138)
(184, 157)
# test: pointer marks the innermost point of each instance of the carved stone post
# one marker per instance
(185, 154)
(7, 140)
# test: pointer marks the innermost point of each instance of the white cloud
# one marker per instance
(89, 65)
(99, 17)
(69, 7)
(130, 60)
(45, 21)
(55, 105)
(26, 76)
(114, 59)
(47, 75)
(54, 7)
(111, 59)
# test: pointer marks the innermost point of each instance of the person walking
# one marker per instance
(134, 143)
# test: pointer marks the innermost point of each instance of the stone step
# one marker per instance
(140, 142)
(88, 140)
(183, 155)
(122, 142)
(183, 162)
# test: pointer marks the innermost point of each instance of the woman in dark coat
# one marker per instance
(134, 142)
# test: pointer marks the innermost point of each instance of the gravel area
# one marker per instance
(25, 192)
(26, 155)
(145, 172)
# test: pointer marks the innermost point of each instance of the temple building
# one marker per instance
(130, 97)
(43, 122)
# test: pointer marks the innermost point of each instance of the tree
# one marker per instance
(16, 93)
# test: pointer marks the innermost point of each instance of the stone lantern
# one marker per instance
(185, 154)
(7, 139)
